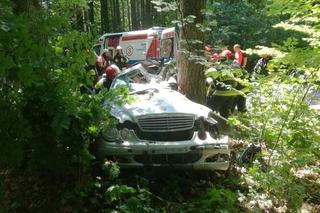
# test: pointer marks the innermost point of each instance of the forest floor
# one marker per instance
(170, 190)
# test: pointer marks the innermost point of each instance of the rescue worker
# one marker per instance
(120, 59)
(99, 67)
(225, 52)
(106, 55)
(240, 58)
(222, 93)
(102, 83)
(240, 61)
(112, 71)
(261, 66)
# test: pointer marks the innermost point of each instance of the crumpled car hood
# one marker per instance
(158, 102)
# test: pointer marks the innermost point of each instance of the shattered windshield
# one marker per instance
(137, 79)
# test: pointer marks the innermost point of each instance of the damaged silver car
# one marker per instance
(161, 127)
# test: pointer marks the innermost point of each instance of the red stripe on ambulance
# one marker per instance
(135, 37)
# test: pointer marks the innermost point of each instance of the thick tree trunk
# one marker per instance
(191, 77)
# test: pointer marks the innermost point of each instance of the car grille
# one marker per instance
(166, 136)
(166, 123)
(182, 158)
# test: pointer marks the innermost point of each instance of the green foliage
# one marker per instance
(47, 124)
(215, 200)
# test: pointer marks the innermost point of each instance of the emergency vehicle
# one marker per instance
(153, 43)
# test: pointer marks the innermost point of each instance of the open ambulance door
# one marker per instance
(169, 43)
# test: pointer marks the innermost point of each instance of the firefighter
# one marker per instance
(240, 62)
(106, 80)
(261, 66)
(119, 59)
(112, 71)
(106, 55)
(240, 57)
(99, 67)
(222, 97)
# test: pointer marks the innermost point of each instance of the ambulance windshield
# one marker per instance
(167, 48)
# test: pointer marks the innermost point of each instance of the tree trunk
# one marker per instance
(91, 14)
(148, 20)
(129, 15)
(26, 6)
(104, 16)
(134, 15)
(117, 16)
(80, 20)
(143, 14)
(124, 21)
(191, 77)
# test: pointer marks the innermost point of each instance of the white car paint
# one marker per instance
(156, 100)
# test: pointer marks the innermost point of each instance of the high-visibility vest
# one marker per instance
(227, 84)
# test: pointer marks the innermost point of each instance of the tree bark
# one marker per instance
(104, 16)
(124, 21)
(117, 16)
(143, 14)
(129, 15)
(148, 20)
(91, 14)
(191, 77)
(26, 6)
(134, 17)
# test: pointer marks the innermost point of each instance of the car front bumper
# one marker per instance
(208, 154)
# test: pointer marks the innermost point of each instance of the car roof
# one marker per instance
(130, 70)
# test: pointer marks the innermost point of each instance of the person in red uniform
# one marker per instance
(112, 71)
(240, 61)
(225, 52)
(240, 58)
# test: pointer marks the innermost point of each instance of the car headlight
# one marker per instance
(125, 133)
(211, 125)
(111, 134)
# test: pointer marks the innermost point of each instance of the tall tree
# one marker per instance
(104, 16)
(148, 20)
(117, 16)
(27, 6)
(91, 13)
(143, 14)
(191, 77)
(134, 20)
(129, 15)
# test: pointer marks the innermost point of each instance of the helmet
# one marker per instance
(209, 80)
(115, 67)
(92, 72)
(105, 51)
(119, 47)
(112, 71)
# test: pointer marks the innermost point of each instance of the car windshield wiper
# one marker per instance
(144, 91)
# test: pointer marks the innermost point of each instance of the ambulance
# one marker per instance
(153, 43)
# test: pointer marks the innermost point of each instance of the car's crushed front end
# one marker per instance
(167, 139)
(161, 127)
